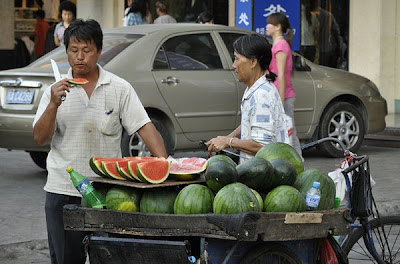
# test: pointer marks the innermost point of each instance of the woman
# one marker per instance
(136, 13)
(68, 14)
(281, 64)
(262, 110)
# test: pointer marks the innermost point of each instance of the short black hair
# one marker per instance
(67, 6)
(40, 13)
(205, 17)
(87, 31)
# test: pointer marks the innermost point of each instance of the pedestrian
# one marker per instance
(41, 29)
(67, 11)
(205, 18)
(136, 13)
(262, 120)
(89, 122)
(162, 12)
(279, 29)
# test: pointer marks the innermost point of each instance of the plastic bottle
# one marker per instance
(86, 189)
(313, 197)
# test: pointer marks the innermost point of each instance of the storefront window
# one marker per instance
(324, 32)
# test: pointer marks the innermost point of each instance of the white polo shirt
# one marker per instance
(262, 115)
(90, 127)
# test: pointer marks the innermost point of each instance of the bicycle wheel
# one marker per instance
(356, 250)
(270, 253)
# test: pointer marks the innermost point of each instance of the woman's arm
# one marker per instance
(281, 58)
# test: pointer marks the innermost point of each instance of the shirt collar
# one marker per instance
(103, 77)
(249, 91)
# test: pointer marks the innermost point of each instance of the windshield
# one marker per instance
(113, 44)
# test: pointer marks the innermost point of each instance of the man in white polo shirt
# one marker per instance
(88, 123)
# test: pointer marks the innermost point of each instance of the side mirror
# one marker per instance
(300, 64)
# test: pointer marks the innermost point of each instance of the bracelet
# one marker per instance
(230, 142)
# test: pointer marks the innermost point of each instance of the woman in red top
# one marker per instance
(40, 33)
(278, 28)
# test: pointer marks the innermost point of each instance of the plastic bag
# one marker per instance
(288, 128)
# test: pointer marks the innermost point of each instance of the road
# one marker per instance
(23, 231)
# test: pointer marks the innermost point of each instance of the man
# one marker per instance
(162, 12)
(88, 123)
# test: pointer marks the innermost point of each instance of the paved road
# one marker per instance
(22, 223)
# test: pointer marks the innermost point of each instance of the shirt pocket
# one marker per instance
(110, 124)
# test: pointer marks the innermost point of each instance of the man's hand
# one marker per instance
(58, 90)
(217, 144)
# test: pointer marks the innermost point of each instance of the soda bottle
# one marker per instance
(86, 189)
(313, 196)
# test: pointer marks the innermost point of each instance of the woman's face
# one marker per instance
(242, 67)
(272, 29)
(67, 16)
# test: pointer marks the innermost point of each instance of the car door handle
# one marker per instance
(170, 80)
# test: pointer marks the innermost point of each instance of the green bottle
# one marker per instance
(86, 189)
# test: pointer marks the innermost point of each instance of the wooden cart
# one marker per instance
(130, 237)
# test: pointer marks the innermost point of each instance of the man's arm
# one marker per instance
(153, 140)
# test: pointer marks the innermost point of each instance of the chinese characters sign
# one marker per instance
(244, 16)
(264, 8)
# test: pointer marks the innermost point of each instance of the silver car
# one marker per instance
(183, 75)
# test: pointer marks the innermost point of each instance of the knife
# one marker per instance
(57, 74)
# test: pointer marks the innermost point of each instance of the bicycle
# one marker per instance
(373, 237)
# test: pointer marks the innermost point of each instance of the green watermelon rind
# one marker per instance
(122, 173)
(132, 172)
(256, 173)
(284, 198)
(194, 199)
(220, 174)
(158, 201)
(116, 196)
(220, 157)
(284, 172)
(109, 173)
(144, 178)
(78, 81)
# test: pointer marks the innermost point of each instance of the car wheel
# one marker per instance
(134, 145)
(39, 158)
(342, 121)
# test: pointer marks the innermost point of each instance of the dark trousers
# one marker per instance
(65, 247)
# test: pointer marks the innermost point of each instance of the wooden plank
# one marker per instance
(143, 185)
(249, 226)
(303, 218)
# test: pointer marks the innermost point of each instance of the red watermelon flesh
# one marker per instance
(79, 81)
(110, 170)
(188, 165)
(95, 164)
(156, 171)
(123, 169)
(131, 166)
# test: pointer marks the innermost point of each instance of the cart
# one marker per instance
(250, 237)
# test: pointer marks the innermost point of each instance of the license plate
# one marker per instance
(20, 96)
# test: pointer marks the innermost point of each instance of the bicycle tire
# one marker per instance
(356, 250)
(273, 253)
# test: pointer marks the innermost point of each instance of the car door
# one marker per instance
(200, 91)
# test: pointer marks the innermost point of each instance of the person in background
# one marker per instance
(262, 120)
(68, 14)
(136, 13)
(281, 64)
(40, 33)
(162, 12)
(205, 18)
(309, 31)
(75, 134)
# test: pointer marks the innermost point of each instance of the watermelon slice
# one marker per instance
(79, 81)
(156, 171)
(95, 164)
(110, 170)
(131, 166)
(187, 168)
(122, 169)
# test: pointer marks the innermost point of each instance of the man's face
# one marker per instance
(82, 56)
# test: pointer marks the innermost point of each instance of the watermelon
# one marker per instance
(122, 169)
(219, 174)
(155, 171)
(95, 164)
(259, 199)
(284, 198)
(279, 150)
(123, 199)
(132, 166)
(284, 172)
(158, 201)
(110, 170)
(235, 198)
(220, 157)
(187, 168)
(194, 199)
(78, 81)
(256, 173)
(327, 187)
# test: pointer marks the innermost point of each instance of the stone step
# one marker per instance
(390, 137)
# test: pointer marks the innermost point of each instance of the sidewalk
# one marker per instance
(390, 137)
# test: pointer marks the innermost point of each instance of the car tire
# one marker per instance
(343, 121)
(39, 158)
(134, 145)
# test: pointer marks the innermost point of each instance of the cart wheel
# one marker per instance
(270, 253)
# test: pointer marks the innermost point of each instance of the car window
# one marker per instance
(189, 52)
(228, 39)
(113, 44)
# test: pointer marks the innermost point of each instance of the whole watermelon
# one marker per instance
(194, 199)
(259, 199)
(235, 198)
(220, 157)
(123, 199)
(256, 173)
(284, 172)
(305, 181)
(158, 200)
(220, 174)
(284, 198)
(279, 150)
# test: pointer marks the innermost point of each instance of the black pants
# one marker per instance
(65, 247)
